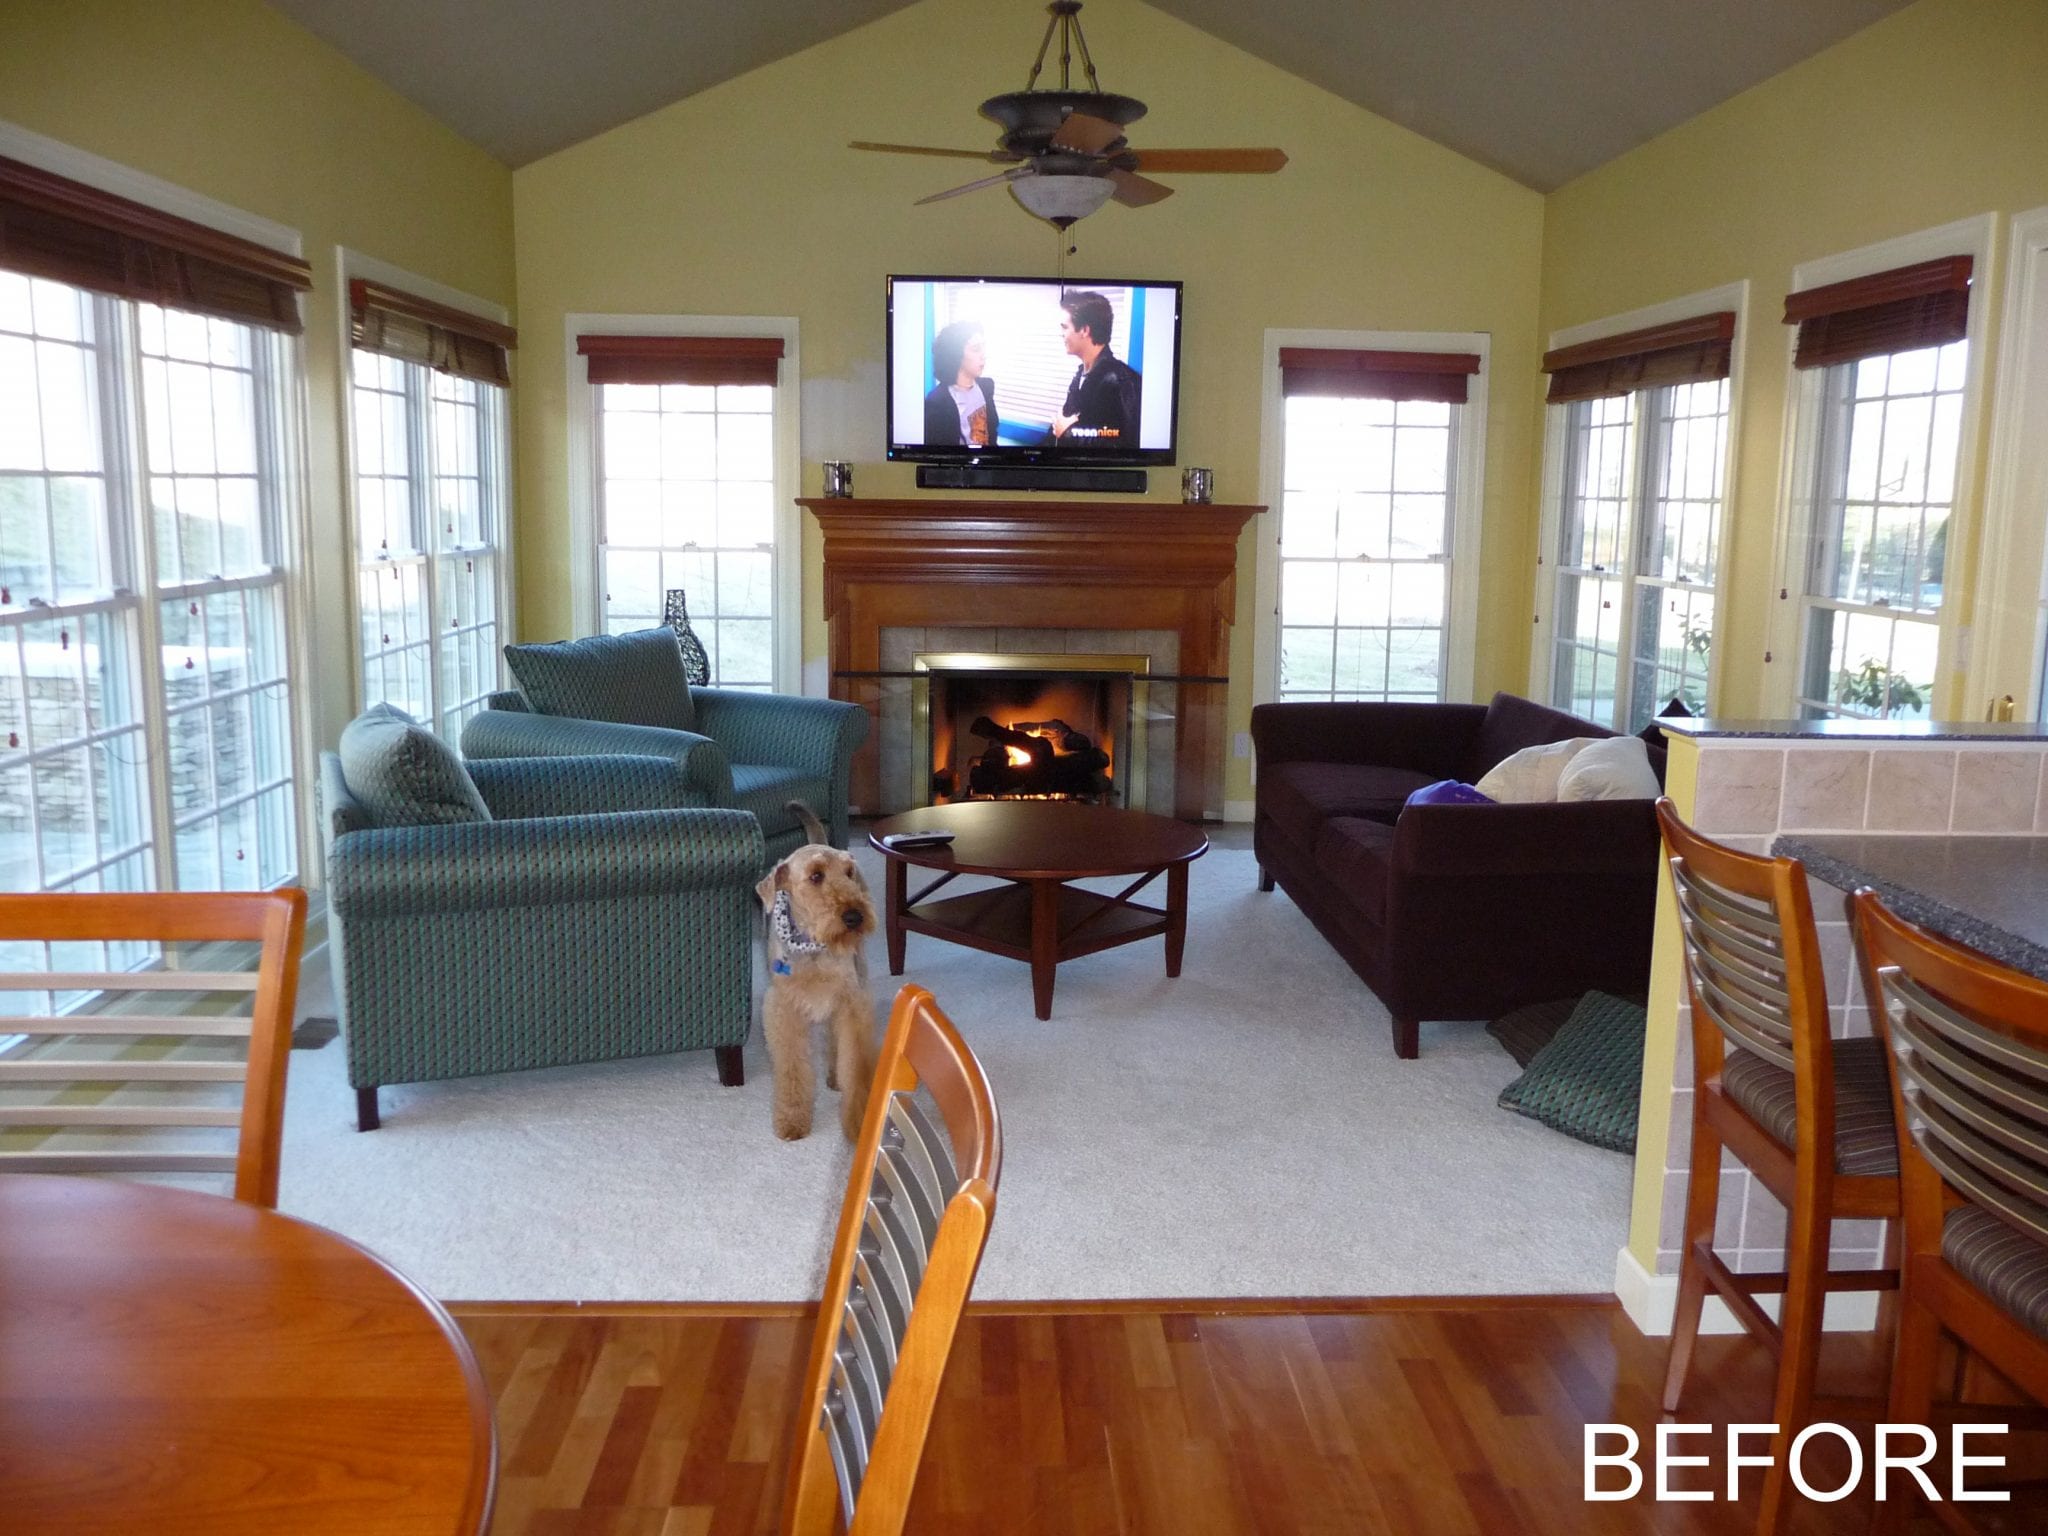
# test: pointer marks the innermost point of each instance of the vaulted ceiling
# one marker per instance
(1542, 90)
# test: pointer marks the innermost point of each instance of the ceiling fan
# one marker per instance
(1066, 150)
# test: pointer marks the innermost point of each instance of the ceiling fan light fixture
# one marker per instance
(1062, 199)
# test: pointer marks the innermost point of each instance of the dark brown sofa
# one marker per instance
(1451, 911)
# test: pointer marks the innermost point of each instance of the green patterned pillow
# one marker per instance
(1588, 1081)
(404, 775)
(1526, 1030)
(631, 679)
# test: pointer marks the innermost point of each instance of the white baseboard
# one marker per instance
(1239, 810)
(1650, 1300)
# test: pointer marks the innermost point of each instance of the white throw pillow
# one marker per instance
(1531, 774)
(1617, 768)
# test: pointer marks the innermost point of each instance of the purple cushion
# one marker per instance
(1449, 792)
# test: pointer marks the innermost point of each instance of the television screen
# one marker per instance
(1016, 370)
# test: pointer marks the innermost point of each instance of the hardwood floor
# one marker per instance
(1436, 1418)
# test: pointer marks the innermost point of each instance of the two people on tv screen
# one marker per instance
(1102, 404)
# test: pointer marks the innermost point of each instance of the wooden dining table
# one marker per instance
(176, 1363)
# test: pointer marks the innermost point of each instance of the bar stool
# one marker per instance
(1809, 1115)
(1969, 1041)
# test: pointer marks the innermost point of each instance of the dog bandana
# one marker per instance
(787, 935)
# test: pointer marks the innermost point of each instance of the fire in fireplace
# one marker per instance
(1038, 758)
(1008, 726)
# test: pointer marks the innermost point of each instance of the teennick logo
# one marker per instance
(1901, 1448)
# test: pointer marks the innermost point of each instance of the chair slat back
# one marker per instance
(77, 1099)
(1969, 1041)
(911, 1231)
(1751, 959)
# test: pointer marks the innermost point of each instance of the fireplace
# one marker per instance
(957, 567)
(1022, 725)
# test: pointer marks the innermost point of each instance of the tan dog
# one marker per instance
(819, 913)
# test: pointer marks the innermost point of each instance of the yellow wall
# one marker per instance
(228, 99)
(745, 200)
(1932, 115)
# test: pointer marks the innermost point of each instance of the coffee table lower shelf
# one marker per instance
(1074, 922)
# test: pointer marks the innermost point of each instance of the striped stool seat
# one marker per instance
(1866, 1135)
(2005, 1264)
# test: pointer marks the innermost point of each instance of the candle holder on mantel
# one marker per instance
(675, 614)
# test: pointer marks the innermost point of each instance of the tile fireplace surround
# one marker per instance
(938, 573)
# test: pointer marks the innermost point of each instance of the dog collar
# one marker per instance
(792, 939)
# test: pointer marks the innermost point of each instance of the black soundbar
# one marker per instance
(1025, 477)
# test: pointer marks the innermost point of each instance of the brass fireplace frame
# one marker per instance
(1131, 752)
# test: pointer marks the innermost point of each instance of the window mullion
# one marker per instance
(1638, 462)
(426, 537)
(125, 358)
(599, 501)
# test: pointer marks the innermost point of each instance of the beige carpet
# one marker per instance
(1244, 1130)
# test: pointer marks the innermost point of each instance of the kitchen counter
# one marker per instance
(1711, 728)
(1990, 893)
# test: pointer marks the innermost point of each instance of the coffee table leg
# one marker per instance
(1045, 943)
(898, 887)
(1176, 915)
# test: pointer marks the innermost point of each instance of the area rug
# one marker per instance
(1242, 1131)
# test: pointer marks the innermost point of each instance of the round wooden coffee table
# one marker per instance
(1038, 846)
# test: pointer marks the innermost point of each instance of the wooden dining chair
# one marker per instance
(1969, 1046)
(1809, 1116)
(134, 1064)
(911, 1230)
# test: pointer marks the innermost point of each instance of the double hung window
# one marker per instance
(1370, 458)
(431, 503)
(146, 705)
(1642, 439)
(1890, 359)
(686, 491)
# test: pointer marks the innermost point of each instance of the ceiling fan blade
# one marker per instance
(1085, 135)
(993, 157)
(975, 186)
(1256, 162)
(1135, 191)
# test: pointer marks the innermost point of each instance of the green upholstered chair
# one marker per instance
(752, 751)
(599, 912)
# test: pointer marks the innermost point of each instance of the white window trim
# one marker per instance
(1733, 296)
(295, 477)
(350, 265)
(2007, 615)
(1972, 237)
(582, 457)
(61, 159)
(1468, 501)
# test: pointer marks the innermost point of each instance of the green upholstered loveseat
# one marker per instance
(601, 913)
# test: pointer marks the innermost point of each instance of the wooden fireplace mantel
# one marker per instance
(1041, 563)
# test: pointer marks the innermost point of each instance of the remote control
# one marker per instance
(933, 839)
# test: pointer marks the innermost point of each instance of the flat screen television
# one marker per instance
(1003, 370)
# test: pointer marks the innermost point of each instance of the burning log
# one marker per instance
(1024, 760)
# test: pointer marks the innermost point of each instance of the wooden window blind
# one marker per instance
(1693, 351)
(682, 359)
(56, 228)
(421, 331)
(1441, 376)
(1924, 305)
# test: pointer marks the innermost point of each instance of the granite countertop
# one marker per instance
(1990, 893)
(1858, 730)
